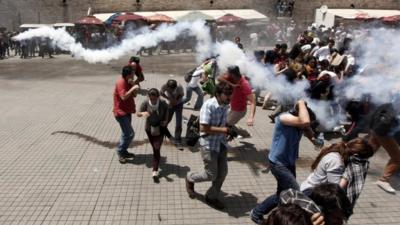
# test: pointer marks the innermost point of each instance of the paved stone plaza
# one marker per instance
(58, 163)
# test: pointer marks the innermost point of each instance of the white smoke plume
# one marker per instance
(146, 38)
(377, 51)
(260, 76)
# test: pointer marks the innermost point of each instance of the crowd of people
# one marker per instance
(325, 60)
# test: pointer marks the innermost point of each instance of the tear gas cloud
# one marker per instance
(134, 41)
(377, 51)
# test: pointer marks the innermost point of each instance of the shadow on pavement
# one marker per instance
(235, 205)
(106, 144)
(247, 153)
(165, 169)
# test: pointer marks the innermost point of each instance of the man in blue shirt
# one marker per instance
(289, 128)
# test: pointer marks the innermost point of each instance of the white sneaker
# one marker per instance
(155, 174)
(385, 186)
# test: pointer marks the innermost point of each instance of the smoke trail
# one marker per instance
(145, 38)
(377, 54)
(260, 76)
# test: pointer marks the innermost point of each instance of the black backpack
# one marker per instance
(188, 75)
(193, 130)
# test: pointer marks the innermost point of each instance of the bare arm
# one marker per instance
(301, 121)
(252, 99)
(129, 93)
(212, 129)
(223, 78)
(309, 133)
(140, 78)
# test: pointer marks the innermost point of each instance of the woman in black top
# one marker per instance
(156, 112)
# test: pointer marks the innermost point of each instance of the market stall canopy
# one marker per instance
(89, 20)
(195, 15)
(363, 16)
(249, 15)
(34, 25)
(128, 17)
(63, 25)
(160, 18)
(391, 18)
(327, 18)
(229, 18)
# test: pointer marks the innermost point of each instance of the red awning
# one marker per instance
(363, 16)
(391, 18)
(128, 17)
(160, 18)
(89, 20)
(229, 18)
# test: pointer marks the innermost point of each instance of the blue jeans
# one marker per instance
(188, 96)
(177, 110)
(286, 178)
(127, 132)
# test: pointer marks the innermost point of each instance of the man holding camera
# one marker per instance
(213, 145)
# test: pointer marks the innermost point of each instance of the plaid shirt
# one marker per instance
(299, 198)
(355, 173)
(213, 114)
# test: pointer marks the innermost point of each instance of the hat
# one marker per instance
(337, 59)
(305, 48)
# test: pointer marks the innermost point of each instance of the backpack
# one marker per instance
(193, 130)
(188, 76)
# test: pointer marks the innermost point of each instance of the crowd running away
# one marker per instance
(348, 88)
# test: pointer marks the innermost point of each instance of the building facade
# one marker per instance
(16, 12)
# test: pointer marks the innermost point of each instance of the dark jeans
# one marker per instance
(177, 110)
(156, 142)
(286, 178)
(127, 132)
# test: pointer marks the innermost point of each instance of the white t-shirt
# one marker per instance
(194, 82)
(330, 169)
(322, 53)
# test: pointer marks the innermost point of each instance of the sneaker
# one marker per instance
(215, 203)
(255, 218)
(129, 155)
(179, 145)
(121, 158)
(156, 179)
(190, 188)
(385, 186)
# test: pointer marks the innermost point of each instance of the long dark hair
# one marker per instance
(289, 214)
(357, 146)
(334, 203)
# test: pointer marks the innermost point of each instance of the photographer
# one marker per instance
(289, 128)
(213, 145)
